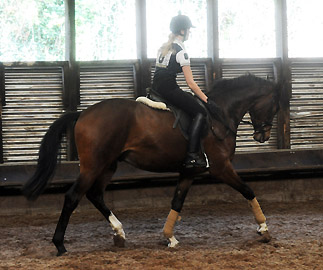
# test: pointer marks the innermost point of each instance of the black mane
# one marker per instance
(225, 85)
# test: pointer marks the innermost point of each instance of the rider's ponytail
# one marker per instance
(166, 47)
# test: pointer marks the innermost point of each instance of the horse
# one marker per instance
(119, 129)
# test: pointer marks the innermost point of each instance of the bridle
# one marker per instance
(261, 128)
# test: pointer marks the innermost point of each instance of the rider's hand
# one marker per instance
(213, 107)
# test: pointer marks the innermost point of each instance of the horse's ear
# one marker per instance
(271, 78)
(277, 85)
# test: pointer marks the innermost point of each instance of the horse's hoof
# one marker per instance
(172, 242)
(119, 241)
(265, 237)
(61, 252)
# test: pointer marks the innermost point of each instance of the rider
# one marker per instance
(172, 58)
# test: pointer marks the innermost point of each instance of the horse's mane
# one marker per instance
(228, 85)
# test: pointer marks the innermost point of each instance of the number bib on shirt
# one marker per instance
(175, 59)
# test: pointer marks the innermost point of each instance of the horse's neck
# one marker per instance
(238, 106)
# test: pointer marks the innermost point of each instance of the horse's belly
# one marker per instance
(156, 161)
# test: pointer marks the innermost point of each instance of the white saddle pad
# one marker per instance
(153, 104)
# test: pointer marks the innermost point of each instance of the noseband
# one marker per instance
(262, 128)
(259, 128)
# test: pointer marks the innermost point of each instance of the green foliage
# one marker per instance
(32, 30)
(105, 30)
(35, 30)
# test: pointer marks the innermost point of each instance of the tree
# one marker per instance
(32, 30)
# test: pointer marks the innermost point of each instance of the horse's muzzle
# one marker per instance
(261, 136)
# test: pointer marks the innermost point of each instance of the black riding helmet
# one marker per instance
(180, 22)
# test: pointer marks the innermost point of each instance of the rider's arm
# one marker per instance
(192, 84)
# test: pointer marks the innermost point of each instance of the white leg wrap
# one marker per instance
(116, 226)
(207, 161)
(262, 228)
(172, 242)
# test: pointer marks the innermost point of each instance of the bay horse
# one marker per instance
(125, 130)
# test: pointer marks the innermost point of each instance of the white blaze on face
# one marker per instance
(116, 226)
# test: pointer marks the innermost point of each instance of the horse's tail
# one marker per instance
(48, 152)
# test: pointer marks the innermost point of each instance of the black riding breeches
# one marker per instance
(169, 89)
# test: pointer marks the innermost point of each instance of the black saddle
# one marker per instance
(182, 119)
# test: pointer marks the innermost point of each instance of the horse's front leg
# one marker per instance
(182, 188)
(227, 174)
(260, 219)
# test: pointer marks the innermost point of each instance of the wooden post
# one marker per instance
(71, 82)
(70, 30)
(213, 36)
(283, 128)
(144, 72)
(3, 102)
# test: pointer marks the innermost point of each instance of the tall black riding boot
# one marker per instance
(193, 159)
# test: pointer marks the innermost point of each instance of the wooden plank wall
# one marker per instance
(301, 81)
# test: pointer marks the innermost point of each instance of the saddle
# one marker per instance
(182, 119)
(154, 100)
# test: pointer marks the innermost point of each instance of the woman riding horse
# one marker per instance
(172, 58)
(125, 130)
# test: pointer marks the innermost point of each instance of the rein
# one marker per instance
(210, 116)
(257, 128)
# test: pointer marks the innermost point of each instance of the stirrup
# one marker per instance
(193, 160)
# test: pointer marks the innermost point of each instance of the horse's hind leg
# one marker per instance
(96, 196)
(72, 199)
(227, 174)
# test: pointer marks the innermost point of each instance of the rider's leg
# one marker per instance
(185, 101)
(194, 158)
